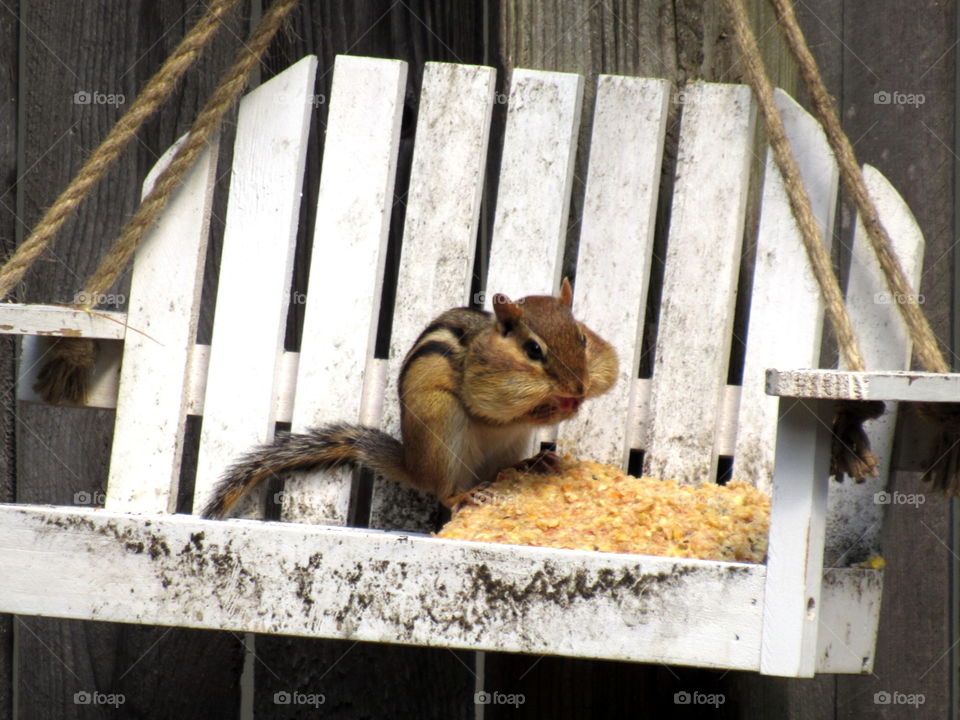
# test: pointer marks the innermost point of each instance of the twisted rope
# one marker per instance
(944, 467)
(924, 341)
(64, 375)
(153, 95)
(207, 122)
(851, 454)
(796, 191)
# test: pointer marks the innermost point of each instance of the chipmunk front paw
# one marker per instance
(544, 462)
(477, 495)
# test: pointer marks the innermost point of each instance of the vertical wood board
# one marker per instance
(700, 280)
(439, 241)
(155, 371)
(255, 267)
(791, 598)
(786, 305)
(616, 242)
(346, 272)
(536, 177)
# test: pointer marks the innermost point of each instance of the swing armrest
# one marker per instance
(61, 321)
(903, 386)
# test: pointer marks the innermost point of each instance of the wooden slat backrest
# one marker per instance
(529, 235)
(152, 395)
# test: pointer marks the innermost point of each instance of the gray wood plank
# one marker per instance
(9, 35)
(110, 48)
(907, 49)
(904, 385)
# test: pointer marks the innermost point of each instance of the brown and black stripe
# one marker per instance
(438, 352)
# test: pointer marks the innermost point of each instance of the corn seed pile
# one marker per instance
(590, 506)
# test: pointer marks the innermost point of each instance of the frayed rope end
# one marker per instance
(65, 376)
(851, 454)
(943, 472)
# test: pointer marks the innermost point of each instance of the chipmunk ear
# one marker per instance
(507, 311)
(566, 292)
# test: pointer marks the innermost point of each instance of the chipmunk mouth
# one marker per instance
(555, 409)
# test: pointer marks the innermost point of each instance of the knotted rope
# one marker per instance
(944, 469)
(851, 452)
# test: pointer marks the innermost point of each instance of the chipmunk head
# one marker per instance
(532, 364)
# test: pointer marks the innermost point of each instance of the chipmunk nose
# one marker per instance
(568, 403)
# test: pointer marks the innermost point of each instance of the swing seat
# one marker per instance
(805, 611)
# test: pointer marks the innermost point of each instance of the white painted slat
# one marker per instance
(792, 603)
(903, 386)
(533, 195)
(164, 307)
(346, 272)
(616, 243)
(439, 241)
(298, 579)
(255, 268)
(536, 177)
(786, 307)
(854, 519)
(700, 279)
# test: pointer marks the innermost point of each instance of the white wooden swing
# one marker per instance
(134, 561)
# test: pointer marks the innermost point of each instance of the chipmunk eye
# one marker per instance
(582, 340)
(533, 350)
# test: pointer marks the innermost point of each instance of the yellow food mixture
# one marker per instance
(591, 506)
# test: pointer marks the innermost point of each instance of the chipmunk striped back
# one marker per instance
(438, 353)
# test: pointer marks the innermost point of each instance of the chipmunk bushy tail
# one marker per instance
(322, 448)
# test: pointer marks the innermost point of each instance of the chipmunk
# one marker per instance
(472, 388)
